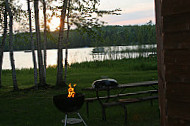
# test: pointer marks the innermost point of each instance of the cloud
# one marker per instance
(133, 11)
(133, 17)
(138, 7)
(135, 21)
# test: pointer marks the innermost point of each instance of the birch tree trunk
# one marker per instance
(66, 44)
(40, 60)
(32, 47)
(3, 43)
(60, 47)
(15, 86)
(45, 38)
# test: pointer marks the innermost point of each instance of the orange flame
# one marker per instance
(71, 92)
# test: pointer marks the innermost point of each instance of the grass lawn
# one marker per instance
(35, 108)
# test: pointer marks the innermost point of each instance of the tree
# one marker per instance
(45, 37)
(15, 86)
(81, 17)
(38, 41)
(60, 46)
(3, 41)
(66, 44)
(32, 46)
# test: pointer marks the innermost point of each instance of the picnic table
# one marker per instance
(122, 102)
(128, 85)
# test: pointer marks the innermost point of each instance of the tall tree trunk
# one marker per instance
(60, 47)
(66, 44)
(45, 38)
(40, 60)
(15, 86)
(3, 43)
(32, 47)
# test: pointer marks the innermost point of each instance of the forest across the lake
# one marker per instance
(102, 36)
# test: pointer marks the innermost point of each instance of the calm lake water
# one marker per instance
(24, 59)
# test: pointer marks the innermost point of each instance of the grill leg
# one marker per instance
(81, 119)
(65, 120)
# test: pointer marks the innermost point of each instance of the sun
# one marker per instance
(54, 23)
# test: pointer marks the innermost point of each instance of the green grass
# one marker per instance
(35, 108)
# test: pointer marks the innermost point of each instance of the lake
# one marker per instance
(24, 59)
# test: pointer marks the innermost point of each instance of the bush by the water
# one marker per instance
(127, 64)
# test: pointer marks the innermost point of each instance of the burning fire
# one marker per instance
(71, 92)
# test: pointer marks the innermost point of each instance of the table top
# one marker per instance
(128, 85)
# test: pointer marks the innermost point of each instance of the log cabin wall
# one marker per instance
(173, 39)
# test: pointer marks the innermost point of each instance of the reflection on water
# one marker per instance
(24, 59)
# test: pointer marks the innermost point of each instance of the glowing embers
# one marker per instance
(71, 91)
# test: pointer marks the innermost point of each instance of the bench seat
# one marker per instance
(129, 100)
(121, 95)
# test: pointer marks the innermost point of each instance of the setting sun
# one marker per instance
(54, 23)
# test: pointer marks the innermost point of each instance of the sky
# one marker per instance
(133, 11)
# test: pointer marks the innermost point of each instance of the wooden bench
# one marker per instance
(138, 96)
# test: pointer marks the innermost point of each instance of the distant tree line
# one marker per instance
(104, 36)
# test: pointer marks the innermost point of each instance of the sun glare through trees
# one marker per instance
(54, 24)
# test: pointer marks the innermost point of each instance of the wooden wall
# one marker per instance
(173, 38)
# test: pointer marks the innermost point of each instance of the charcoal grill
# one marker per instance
(104, 83)
(69, 105)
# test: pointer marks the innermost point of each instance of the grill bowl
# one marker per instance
(67, 105)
